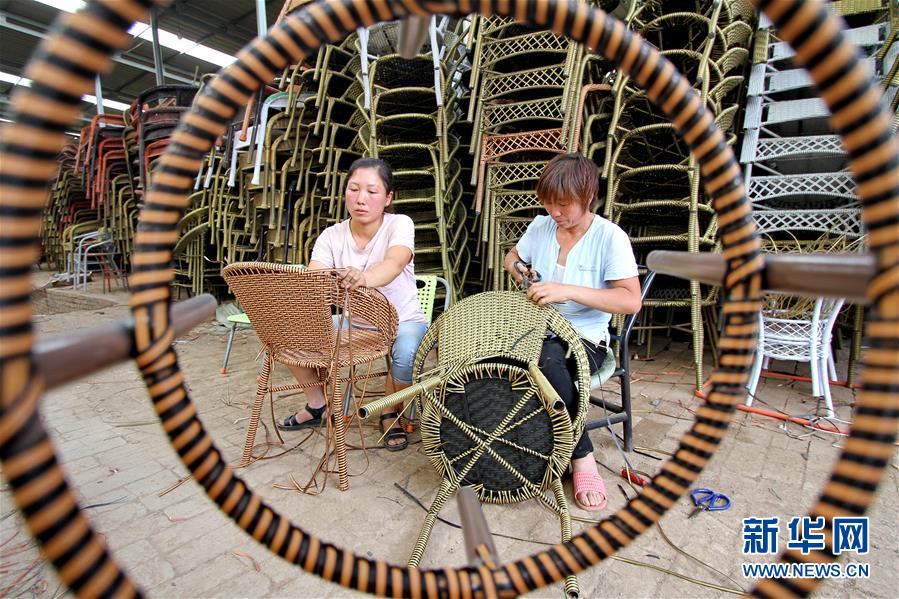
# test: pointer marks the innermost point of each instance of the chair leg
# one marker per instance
(754, 376)
(571, 585)
(224, 368)
(350, 389)
(825, 386)
(815, 372)
(446, 489)
(261, 391)
(628, 424)
(343, 476)
(831, 366)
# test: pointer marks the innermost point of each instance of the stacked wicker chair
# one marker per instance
(522, 81)
(154, 116)
(68, 206)
(653, 186)
(489, 418)
(83, 230)
(795, 167)
(406, 118)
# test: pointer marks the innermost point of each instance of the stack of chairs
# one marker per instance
(279, 190)
(794, 165)
(84, 200)
(406, 117)
(524, 83)
(278, 180)
(654, 191)
(228, 239)
(154, 116)
(67, 199)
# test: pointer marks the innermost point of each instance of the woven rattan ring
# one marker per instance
(64, 69)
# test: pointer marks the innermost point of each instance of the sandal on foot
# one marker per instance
(292, 424)
(393, 433)
(582, 482)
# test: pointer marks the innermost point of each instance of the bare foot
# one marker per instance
(395, 438)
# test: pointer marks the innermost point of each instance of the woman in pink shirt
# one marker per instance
(373, 249)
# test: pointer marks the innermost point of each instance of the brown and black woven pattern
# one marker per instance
(27, 163)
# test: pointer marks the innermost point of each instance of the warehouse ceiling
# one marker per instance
(224, 25)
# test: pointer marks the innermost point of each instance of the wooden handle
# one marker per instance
(65, 358)
(479, 545)
(413, 32)
(824, 275)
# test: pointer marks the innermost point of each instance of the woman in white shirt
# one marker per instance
(372, 248)
(588, 273)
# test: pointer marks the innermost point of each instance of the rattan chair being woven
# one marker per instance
(489, 418)
(291, 310)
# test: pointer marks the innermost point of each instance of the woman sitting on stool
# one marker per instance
(373, 249)
(588, 273)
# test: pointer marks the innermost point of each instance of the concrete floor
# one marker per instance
(177, 544)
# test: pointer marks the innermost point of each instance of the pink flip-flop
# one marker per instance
(583, 482)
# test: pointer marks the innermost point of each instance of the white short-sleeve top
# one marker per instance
(602, 255)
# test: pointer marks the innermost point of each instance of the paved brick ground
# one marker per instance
(176, 543)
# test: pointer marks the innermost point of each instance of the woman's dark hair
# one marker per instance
(385, 173)
(571, 178)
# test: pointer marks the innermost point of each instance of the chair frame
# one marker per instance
(326, 352)
(621, 413)
(508, 330)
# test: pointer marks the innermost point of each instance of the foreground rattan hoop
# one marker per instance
(27, 162)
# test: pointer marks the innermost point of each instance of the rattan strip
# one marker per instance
(26, 168)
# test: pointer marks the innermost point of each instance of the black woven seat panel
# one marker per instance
(485, 403)
(403, 72)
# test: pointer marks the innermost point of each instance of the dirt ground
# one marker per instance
(175, 542)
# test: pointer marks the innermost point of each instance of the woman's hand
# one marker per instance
(549, 292)
(352, 278)
(519, 271)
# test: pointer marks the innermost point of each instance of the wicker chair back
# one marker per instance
(291, 309)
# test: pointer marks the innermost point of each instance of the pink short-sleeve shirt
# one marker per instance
(336, 248)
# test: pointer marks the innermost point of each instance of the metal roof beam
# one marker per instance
(41, 32)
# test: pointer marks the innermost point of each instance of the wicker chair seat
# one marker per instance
(361, 347)
(489, 427)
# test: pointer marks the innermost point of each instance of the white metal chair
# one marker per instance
(803, 337)
(800, 340)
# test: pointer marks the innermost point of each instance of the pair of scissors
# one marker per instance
(528, 274)
(707, 500)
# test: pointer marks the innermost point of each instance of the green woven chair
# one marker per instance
(427, 293)
(489, 418)
(239, 319)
